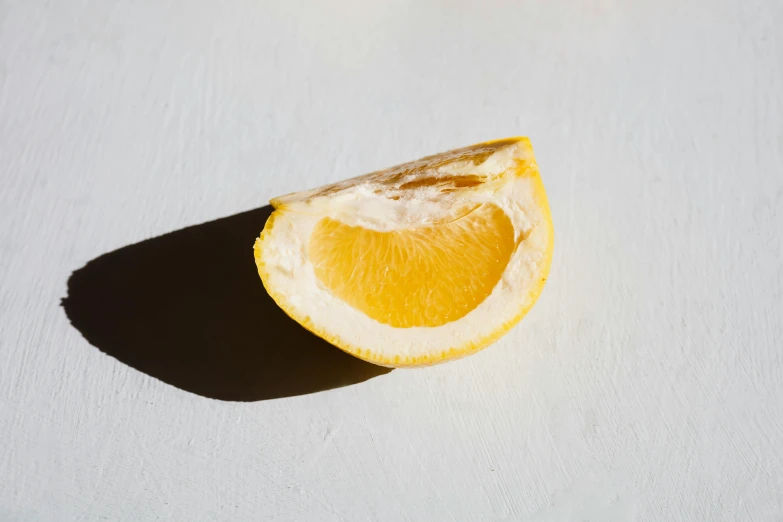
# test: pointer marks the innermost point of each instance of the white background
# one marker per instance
(646, 384)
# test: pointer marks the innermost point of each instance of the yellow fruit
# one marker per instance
(416, 264)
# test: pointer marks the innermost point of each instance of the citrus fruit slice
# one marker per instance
(416, 264)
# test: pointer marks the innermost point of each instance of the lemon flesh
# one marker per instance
(424, 276)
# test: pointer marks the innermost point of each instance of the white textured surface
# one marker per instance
(646, 384)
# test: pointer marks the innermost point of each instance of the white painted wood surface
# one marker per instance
(646, 384)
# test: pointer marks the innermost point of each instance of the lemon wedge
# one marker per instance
(416, 264)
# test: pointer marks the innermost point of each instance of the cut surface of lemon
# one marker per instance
(416, 264)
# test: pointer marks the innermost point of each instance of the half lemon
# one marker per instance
(417, 264)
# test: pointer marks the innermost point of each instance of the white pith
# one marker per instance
(367, 203)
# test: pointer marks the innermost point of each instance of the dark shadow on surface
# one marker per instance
(189, 309)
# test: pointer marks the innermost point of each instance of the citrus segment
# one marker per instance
(416, 264)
